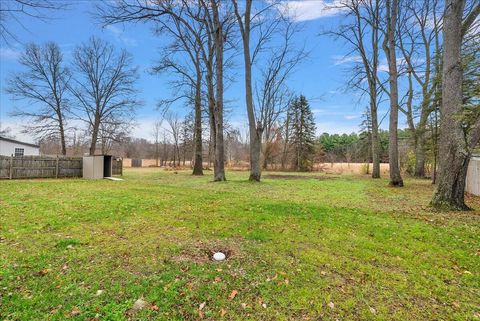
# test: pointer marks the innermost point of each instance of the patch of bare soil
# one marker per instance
(292, 177)
(201, 252)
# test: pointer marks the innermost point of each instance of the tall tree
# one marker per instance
(215, 22)
(418, 40)
(104, 86)
(272, 93)
(458, 136)
(44, 86)
(303, 133)
(157, 127)
(362, 32)
(389, 46)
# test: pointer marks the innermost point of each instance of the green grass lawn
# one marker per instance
(318, 247)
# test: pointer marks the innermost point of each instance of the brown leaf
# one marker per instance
(218, 279)
(43, 272)
(75, 311)
(154, 307)
(233, 295)
(202, 305)
(223, 312)
(456, 304)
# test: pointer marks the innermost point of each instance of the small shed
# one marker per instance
(97, 166)
(472, 184)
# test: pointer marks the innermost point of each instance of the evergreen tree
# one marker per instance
(303, 134)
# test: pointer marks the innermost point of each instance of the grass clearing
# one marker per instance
(322, 248)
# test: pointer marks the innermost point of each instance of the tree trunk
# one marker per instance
(255, 129)
(420, 156)
(93, 144)
(198, 160)
(375, 142)
(453, 147)
(255, 152)
(62, 137)
(395, 176)
(219, 165)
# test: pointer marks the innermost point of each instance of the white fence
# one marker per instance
(472, 185)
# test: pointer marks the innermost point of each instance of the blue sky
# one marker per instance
(320, 78)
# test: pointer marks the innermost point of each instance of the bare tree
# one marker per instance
(104, 86)
(389, 46)
(157, 127)
(362, 32)
(255, 128)
(457, 137)
(175, 127)
(262, 24)
(273, 95)
(215, 21)
(13, 11)
(188, 40)
(418, 40)
(44, 87)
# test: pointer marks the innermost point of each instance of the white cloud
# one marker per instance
(340, 60)
(120, 36)
(350, 117)
(9, 54)
(306, 10)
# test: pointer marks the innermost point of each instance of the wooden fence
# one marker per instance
(46, 167)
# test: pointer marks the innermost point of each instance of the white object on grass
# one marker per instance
(114, 178)
(219, 256)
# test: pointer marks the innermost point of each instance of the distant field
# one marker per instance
(300, 247)
(335, 168)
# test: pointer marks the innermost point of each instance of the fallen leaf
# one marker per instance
(99, 292)
(202, 305)
(223, 312)
(233, 295)
(264, 305)
(331, 305)
(43, 272)
(373, 310)
(286, 281)
(244, 305)
(154, 307)
(218, 279)
(456, 304)
(75, 311)
(139, 304)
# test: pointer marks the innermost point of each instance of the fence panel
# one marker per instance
(47, 167)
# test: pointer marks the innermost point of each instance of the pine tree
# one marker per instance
(303, 134)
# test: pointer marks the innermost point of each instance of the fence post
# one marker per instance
(11, 166)
(56, 168)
